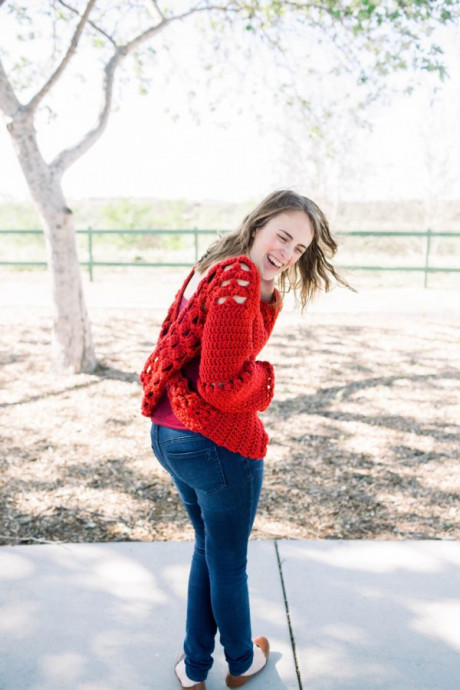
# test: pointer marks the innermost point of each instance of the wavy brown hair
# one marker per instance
(312, 273)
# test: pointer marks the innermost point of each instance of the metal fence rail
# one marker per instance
(426, 269)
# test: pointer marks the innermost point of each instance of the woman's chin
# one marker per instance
(267, 271)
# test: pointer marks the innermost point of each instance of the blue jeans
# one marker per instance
(220, 491)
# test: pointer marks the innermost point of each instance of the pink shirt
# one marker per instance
(163, 413)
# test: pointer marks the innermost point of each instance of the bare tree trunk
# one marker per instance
(73, 349)
(72, 343)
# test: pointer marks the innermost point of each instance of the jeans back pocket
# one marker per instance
(198, 467)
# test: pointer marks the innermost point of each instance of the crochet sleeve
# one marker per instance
(230, 377)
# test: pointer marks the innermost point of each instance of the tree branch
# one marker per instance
(33, 104)
(157, 8)
(141, 38)
(90, 23)
(67, 157)
(9, 103)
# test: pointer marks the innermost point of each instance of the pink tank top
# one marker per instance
(163, 414)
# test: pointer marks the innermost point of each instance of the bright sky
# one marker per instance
(147, 152)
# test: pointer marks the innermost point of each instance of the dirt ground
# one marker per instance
(364, 432)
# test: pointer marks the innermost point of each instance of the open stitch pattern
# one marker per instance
(227, 334)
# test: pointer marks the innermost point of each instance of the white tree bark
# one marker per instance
(72, 344)
(73, 349)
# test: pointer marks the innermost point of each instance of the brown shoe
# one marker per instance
(198, 686)
(238, 681)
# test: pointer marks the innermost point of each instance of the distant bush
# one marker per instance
(18, 216)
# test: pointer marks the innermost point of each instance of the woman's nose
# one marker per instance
(286, 253)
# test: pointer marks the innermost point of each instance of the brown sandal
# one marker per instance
(239, 681)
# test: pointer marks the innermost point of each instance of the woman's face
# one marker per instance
(280, 243)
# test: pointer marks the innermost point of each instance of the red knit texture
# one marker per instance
(227, 335)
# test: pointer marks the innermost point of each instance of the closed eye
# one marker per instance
(300, 249)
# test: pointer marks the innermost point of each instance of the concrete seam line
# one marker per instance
(288, 616)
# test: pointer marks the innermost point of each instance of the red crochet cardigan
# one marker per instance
(228, 335)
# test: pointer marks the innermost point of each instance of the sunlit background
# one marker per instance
(209, 131)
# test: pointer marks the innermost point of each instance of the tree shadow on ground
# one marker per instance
(106, 371)
(77, 465)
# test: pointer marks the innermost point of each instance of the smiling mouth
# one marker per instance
(274, 262)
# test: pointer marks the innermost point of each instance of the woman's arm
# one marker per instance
(230, 378)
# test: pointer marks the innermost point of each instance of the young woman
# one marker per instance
(203, 389)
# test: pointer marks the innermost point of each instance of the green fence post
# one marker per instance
(90, 253)
(196, 244)
(427, 256)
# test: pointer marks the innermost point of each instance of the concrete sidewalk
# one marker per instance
(361, 615)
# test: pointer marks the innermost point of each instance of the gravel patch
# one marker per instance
(364, 431)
